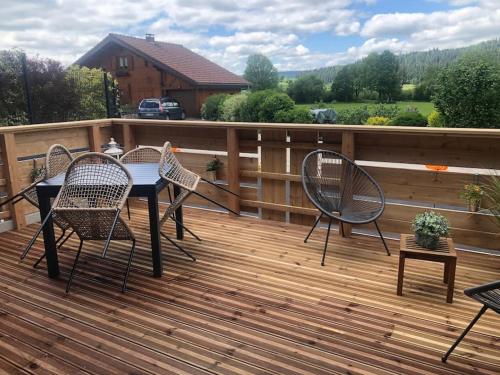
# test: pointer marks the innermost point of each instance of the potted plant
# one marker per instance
(492, 192)
(472, 194)
(212, 168)
(428, 227)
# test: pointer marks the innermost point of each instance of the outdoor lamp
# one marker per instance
(113, 149)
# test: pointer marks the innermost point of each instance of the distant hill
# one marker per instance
(413, 64)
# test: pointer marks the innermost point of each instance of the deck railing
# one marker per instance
(262, 163)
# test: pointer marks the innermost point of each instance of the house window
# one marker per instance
(122, 62)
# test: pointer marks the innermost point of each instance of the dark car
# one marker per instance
(173, 108)
(161, 109)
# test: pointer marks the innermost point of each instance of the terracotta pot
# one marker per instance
(474, 206)
(211, 176)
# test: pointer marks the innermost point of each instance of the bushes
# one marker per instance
(377, 120)
(295, 115)
(408, 119)
(353, 116)
(272, 104)
(250, 109)
(232, 106)
(212, 108)
(306, 89)
(385, 110)
(436, 120)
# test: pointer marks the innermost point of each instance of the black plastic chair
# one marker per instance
(342, 191)
(489, 296)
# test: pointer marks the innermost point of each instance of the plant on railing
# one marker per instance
(428, 227)
(36, 173)
(472, 194)
(212, 168)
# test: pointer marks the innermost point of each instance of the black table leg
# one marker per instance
(154, 228)
(178, 215)
(48, 236)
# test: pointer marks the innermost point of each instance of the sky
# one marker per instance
(294, 34)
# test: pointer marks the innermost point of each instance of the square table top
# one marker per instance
(445, 248)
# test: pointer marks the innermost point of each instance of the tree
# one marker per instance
(343, 85)
(261, 73)
(383, 75)
(306, 89)
(272, 104)
(468, 92)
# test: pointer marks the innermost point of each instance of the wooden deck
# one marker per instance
(257, 301)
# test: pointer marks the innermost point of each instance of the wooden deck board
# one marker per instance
(256, 301)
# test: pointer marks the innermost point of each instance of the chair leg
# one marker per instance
(68, 285)
(313, 227)
(177, 246)
(124, 286)
(67, 238)
(32, 241)
(106, 245)
(216, 203)
(326, 242)
(219, 187)
(185, 228)
(382, 238)
(128, 209)
(469, 327)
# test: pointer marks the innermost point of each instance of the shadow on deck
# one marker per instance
(256, 301)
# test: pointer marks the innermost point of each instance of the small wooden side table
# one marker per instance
(445, 253)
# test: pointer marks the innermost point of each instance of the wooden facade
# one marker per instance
(141, 78)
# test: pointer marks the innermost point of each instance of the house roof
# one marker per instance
(174, 58)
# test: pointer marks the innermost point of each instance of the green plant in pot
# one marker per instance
(212, 168)
(428, 227)
(472, 194)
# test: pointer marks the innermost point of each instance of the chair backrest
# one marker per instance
(57, 160)
(340, 188)
(142, 154)
(94, 181)
(172, 170)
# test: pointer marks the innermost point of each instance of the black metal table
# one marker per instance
(146, 183)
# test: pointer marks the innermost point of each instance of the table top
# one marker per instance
(445, 247)
(143, 174)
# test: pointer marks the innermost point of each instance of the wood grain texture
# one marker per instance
(255, 302)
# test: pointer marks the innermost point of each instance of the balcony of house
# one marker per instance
(256, 300)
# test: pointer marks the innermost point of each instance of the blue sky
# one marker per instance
(294, 34)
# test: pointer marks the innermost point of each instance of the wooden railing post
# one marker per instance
(345, 230)
(233, 168)
(95, 141)
(8, 144)
(128, 138)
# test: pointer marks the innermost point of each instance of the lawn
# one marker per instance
(425, 108)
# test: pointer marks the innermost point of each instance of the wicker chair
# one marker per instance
(172, 171)
(341, 190)
(91, 199)
(57, 160)
(489, 296)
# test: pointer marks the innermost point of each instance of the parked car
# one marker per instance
(173, 108)
(162, 109)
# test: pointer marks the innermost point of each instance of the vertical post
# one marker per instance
(347, 150)
(233, 168)
(128, 137)
(8, 144)
(29, 106)
(94, 138)
(106, 94)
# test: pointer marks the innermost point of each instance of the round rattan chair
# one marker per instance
(341, 190)
(90, 200)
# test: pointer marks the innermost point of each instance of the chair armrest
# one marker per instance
(482, 288)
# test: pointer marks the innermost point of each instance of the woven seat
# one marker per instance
(342, 191)
(57, 161)
(489, 296)
(172, 171)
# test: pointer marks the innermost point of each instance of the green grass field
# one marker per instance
(425, 108)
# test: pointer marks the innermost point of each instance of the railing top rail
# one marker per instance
(410, 130)
(322, 127)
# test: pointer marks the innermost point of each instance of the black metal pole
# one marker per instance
(29, 106)
(106, 94)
